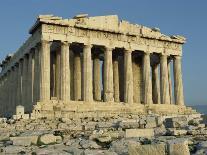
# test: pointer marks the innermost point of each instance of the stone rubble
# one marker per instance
(134, 135)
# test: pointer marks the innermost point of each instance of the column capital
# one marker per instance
(177, 57)
(87, 45)
(108, 48)
(65, 43)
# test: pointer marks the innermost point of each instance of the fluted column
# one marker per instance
(116, 78)
(170, 81)
(87, 74)
(65, 72)
(96, 78)
(155, 84)
(24, 82)
(108, 76)
(44, 71)
(165, 97)
(36, 88)
(147, 82)
(15, 78)
(19, 83)
(77, 76)
(13, 87)
(128, 77)
(8, 103)
(178, 83)
(30, 96)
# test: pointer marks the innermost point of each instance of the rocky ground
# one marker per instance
(133, 135)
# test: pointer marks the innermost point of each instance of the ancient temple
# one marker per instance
(93, 66)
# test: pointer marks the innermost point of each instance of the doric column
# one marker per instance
(155, 84)
(108, 76)
(77, 76)
(44, 71)
(15, 78)
(65, 72)
(36, 88)
(116, 78)
(170, 81)
(87, 74)
(30, 96)
(96, 78)
(8, 90)
(165, 99)
(57, 74)
(24, 82)
(19, 83)
(147, 83)
(128, 77)
(13, 87)
(178, 83)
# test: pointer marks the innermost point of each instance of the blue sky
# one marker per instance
(188, 18)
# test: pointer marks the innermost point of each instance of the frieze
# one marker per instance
(78, 32)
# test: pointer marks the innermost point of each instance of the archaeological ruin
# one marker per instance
(93, 66)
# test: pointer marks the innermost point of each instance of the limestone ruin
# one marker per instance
(93, 66)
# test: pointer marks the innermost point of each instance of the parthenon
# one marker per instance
(93, 65)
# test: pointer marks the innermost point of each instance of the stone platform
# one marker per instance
(80, 109)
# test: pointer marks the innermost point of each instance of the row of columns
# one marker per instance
(29, 80)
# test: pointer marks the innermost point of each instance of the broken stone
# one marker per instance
(24, 141)
(178, 146)
(139, 133)
(156, 149)
(49, 139)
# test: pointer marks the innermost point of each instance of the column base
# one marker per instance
(79, 109)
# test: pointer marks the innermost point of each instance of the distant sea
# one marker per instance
(200, 108)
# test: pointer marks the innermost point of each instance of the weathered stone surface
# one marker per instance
(156, 149)
(139, 133)
(178, 146)
(176, 122)
(49, 139)
(24, 141)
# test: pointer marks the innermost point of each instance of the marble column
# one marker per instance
(155, 84)
(30, 96)
(24, 82)
(19, 83)
(165, 97)
(87, 74)
(57, 75)
(13, 87)
(45, 71)
(36, 87)
(96, 78)
(116, 78)
(128, 77)
(65, 72)
(178, 83)
(170, 81)
(8, 90)
(15, 78)
(108, 76)
(77, 73)
(147, 82)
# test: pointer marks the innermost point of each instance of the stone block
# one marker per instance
(139, 133)
(24, 141)
(178, 147)
(49, 139)
(151, 122)
(155, 149)
(176, 122)
(174, 132)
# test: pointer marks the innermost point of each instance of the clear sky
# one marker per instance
(185, 17)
